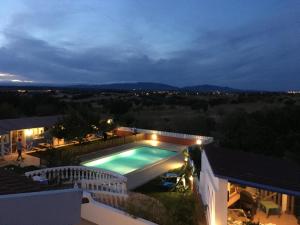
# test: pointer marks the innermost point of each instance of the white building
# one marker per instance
(30, 130)
(25, 202)
(225, 173)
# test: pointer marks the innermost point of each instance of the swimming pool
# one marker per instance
(131, 159)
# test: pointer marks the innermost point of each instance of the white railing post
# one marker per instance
(111, 184)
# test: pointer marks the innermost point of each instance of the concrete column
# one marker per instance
(2, 146)
(284, 203)
(221, 203)
(10, 141)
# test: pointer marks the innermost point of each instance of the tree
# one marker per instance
(269, 131)
(76, 125)
(118, 107)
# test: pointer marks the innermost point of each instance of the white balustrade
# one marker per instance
(109, 198)
(90, 179)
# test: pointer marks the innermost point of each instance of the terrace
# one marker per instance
(106, 192)
(260, 206)
(239, 187)
(31, 131)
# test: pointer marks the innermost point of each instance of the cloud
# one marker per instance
(259, 55)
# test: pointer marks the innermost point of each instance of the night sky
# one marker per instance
(250, 44)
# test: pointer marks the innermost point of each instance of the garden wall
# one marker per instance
(163, 136)
(97, 145)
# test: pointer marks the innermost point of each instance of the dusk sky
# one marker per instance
(250, 44)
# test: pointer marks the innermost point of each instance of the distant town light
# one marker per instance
(199, 142)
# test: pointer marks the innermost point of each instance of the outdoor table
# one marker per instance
(268, 206)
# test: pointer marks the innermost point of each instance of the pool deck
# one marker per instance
(142, 176)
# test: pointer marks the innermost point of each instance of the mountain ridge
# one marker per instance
(157, 87)
(130, 86)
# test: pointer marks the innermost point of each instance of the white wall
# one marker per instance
(105, 215)
(204, 139)
(213, 192)
(60, 207)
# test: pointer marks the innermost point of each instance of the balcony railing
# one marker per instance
(89, 179)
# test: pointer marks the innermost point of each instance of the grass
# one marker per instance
(182, 208)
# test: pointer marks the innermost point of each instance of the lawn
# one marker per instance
(181, 208)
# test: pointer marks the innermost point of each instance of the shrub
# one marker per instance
(146, 207)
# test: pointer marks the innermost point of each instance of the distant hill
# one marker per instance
(209, 88)
(139, 86)
(129, 86)
(155, 87)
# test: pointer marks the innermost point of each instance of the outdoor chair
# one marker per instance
(174, 183)
(169, 180)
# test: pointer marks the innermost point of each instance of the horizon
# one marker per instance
(242, 45)
(177, 88)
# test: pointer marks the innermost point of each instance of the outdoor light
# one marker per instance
(109, 121)
(186, 159)
(154, 137)
(198, 142)
(154, 141)
(28, 132)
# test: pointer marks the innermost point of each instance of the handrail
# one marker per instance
(106, 186)
(88, 178)
(97, 171)
(109, 186)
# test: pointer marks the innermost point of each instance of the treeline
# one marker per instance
(273, 131)
(14, 104)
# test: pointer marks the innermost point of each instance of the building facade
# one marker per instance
(30, 131)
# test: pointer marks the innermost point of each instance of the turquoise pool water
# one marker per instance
(130, 160)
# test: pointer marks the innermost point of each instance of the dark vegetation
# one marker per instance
(180, 208)
(69, 155)
(271, 131)
(267, 123)
(194, 153)
(18, 169)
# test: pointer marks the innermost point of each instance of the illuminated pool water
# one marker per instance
(130, 160)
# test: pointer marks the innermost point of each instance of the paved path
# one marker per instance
(28, 160)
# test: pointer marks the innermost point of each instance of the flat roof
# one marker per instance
(250, 169)
(13, 183)
(27, 122)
